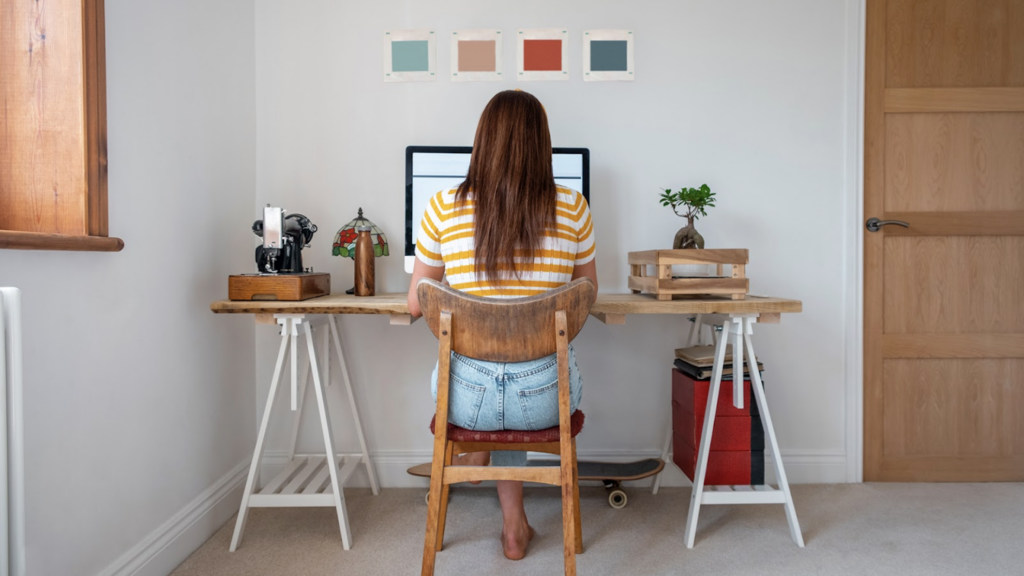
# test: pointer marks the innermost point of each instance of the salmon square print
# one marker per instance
(476, 56)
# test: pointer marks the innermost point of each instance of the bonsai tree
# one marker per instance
(693, 202)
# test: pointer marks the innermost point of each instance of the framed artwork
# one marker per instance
(542, 54)
(476, 55)
(410, 55)
(608, 55)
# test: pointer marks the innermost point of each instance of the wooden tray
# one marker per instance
(664, 286)
(282, 287)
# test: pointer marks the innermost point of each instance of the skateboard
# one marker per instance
(611, 474)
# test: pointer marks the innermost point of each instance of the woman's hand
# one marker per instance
(421, 270)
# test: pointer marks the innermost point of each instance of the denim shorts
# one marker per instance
(507, 395)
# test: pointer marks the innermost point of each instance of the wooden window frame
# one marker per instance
(94, 102)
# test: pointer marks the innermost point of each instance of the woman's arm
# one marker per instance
(588, 270)
(421, 270)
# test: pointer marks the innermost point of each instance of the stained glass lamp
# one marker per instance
(345, 239)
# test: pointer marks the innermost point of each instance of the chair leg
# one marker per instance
(568, 514)
(576, 497)
(443, 511)
(566, 449)
(433, 511)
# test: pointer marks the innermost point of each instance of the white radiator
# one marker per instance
(12, 455)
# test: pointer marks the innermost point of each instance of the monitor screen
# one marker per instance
(430, 169)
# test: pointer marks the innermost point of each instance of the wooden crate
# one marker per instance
(664, 286)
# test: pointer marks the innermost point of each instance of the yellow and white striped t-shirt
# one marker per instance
(446, 239)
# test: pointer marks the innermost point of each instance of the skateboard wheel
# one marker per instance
(426, 498)
(617, 499)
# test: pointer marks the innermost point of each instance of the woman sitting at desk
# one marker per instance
(508, 231)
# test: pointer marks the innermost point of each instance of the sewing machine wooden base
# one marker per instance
(279, 287)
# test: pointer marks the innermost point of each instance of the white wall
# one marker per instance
(138, 400)
(750, 97)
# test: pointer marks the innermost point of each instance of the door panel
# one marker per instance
(944, 296)
(954, 162)
(953, 407)
(951, 43)
(954, 411)
(953, 285)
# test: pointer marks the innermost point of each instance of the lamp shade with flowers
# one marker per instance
(345, 239)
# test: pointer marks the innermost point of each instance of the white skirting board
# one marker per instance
(167, 546)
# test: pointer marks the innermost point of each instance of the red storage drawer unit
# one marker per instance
(737, 444)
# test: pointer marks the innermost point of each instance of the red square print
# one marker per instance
(542, 55)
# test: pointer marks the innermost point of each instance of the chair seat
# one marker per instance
(456, 434)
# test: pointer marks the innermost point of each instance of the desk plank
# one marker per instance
(333, 304)
(609, 305)
(647, 304)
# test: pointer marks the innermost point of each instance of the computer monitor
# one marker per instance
(430, 169)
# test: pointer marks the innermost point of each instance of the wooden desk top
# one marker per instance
(332, 304)
(608, 307)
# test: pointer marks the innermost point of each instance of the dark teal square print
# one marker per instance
(608, 55)
(410, 56)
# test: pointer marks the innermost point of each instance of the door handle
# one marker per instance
(874, 224)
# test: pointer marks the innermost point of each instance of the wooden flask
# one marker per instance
(364, 262)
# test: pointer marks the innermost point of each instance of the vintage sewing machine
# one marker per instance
(280, 274)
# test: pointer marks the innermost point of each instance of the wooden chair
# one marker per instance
(505, 330)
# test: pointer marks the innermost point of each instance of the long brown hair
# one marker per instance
(512, 183)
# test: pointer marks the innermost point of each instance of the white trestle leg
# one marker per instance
(739, 328)
(297, 420)
(257, 455)
(737, 367)
(325, 353)
(697, 495)
(355, 410)
(766, 421)
(307, 479)
(666, 454)
(325, 425)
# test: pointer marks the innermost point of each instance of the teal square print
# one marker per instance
(608, 55)
(410, 56)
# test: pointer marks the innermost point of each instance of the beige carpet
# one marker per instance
(849, 529)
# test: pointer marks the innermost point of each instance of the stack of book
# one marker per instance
(737, 444)
(696, 362)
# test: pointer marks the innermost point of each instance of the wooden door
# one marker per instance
(944, 297)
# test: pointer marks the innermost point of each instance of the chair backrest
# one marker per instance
(506, 330)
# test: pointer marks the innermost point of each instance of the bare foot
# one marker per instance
(514, 542)
(472, 459)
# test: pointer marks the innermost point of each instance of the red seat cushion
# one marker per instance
(456, 434)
